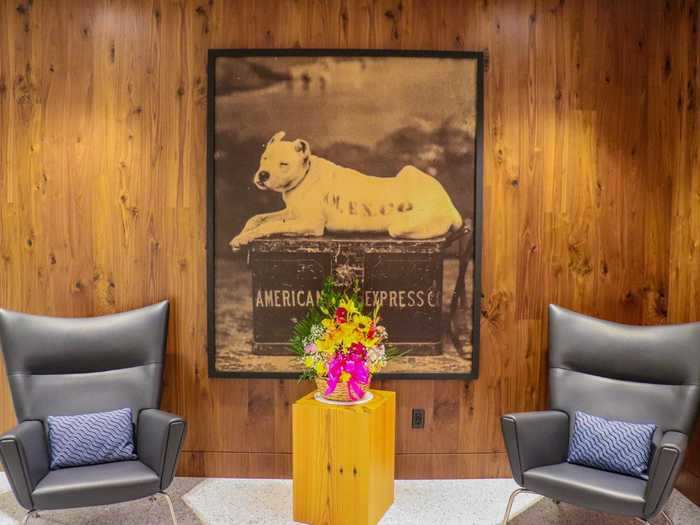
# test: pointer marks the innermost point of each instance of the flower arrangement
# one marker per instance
(340, 345)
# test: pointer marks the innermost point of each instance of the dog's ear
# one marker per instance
(303, 147)
(276, 137)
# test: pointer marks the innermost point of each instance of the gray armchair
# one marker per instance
(645, 374)
(62, 366)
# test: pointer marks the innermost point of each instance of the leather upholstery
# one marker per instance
(589, 487)
(664, 469)
(671, 407)
(62, 366)
(662, 354)
(96, 363)
(534, 439)
(652, 372)
(639, 374)
(95, 485)
(160, 436)
(25, 458)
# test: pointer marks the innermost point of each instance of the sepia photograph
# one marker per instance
(363, 167)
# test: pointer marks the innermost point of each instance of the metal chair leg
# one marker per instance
(510, 503)
(28, 515)
(33, 513)
(170, 506)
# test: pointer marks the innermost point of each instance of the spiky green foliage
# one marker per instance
(329, 299)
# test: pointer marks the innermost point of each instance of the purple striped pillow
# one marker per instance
(90, 439)
(615, 446)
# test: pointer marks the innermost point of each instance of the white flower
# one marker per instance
(376, 354)
(316, 332)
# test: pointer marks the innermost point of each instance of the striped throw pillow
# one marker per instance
(90, 439)
(614, 446)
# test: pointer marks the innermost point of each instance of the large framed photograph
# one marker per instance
(361, 165)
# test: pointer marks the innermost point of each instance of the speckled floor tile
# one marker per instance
(269, 502)
(445, 502)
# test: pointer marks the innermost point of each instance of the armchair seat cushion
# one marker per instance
(95, 485)
(588, 487)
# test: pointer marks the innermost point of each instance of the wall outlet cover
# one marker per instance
(418, 418)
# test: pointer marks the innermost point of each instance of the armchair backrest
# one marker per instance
(66, 366)
(640, 374)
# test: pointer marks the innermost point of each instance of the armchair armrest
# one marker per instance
(25, 458)
(665, 466)
(159, 436)
(535, 439)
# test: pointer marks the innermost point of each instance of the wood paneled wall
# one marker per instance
(591, 189)
(684, 277)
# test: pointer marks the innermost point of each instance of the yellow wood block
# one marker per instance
(343, 460)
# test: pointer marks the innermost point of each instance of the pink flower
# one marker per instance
(311, 348)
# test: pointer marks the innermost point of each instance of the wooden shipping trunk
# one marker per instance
(405, 276)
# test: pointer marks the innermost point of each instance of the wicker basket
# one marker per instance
(341, 392)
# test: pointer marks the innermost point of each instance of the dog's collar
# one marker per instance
(308, 167)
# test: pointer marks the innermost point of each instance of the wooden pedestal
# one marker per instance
(343, 460)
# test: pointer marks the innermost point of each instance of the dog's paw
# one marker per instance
(239, 241)
(235, 244)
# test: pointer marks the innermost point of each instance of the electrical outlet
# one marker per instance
(417, 418)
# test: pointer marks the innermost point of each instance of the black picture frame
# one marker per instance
(481, 59)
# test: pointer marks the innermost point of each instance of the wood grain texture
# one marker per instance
(591, 189)
(684, 282)
(343, 460)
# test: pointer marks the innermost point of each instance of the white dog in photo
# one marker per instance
(321, 196)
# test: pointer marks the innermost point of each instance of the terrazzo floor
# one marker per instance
(219, 501)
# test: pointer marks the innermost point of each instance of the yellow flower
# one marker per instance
(346, 335)
(320, 368)
(370, 343)
(363, 322)
(344, 377)
(328, 323)
(309, 362)
(349, 306)
(327, 344)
